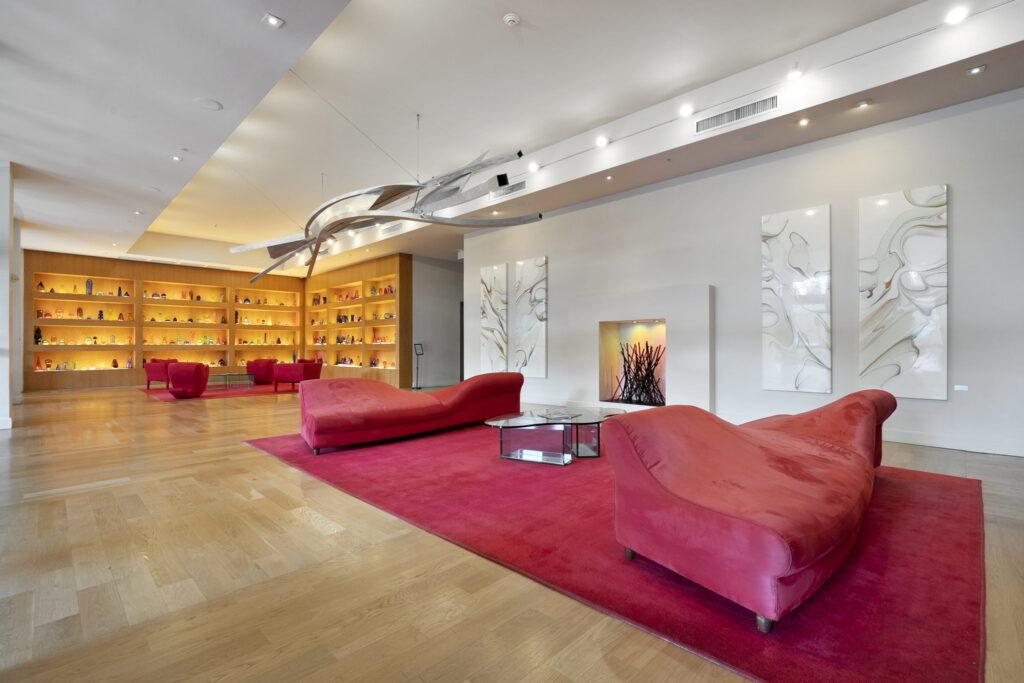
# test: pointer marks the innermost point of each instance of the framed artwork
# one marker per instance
(528, 317)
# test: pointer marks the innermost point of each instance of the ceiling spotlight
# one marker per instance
(511, 19)
(533, 166)
(803, 122)
(137, 212)
(794, 74)
(956, 15)
(863, 104)
(882, 202)
(602, 141)
(272, 21)
(209, 103)
(352, 233)
(975, 70)
(114, 244)
(809, 212)
(176, 157)
(686, 110)
(608, 177)
(495, 212)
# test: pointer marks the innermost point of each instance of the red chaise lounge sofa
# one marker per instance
(342, 412)
(762, 513)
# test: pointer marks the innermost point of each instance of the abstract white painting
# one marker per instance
(528, 317)
(903, 292)
(796, 329)
(493, 319)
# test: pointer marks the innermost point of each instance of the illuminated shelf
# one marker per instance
(188, 303)
(205, 326)
(257, 326)
(43, 348)
(187, 347)
(83, 322)
(54, 371)
(266, 346)
(351, 303)
(61, 296)
(268, 307)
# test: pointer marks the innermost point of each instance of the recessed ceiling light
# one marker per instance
(352, 233)
(114, 244)
(209, 103)
(956, 15)
(809, 212)
(601, 141)
(686, 110)
(176, 157)
(533, 166)
(137, 212)
(495, 213)
(804, 122)
(863, 104)
(794, 74)
(975, 70)
(272, 21)
(882, 202)
(608, 177)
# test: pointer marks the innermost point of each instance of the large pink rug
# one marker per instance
(217, 392)
(907, 606)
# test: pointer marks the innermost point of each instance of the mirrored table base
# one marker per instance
(541, 443)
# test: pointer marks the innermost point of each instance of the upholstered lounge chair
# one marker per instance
(188, 380)
(342, 412)
(261, 369)
(761, 513)
(293, 373)
(156, 370)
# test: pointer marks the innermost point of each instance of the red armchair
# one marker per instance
(261, 369)
(293, 373)
(188, 380)
(761, 513)
(156, 371)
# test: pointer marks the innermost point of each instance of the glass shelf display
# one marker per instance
(179, 292)
(268, 318)
(380, 334)
(281, 355)
(260, 297)
(381, 359)
(212, 357)
(266, 338)
(349, 358)
(346, 294)
(60, 359)
(67, 335)
(160, 336)
(174, 313)
(67, 309)
(53, 284)
(381, 311)
(384, 285)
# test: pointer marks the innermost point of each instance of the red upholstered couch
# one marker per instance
(341, 412)
(156, 370)
(188, 380)
(761, 513)
(261, 369)
(293, 373)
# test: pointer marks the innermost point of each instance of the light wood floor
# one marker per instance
(141, 539)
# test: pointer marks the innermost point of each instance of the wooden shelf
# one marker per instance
(203, 326)
(266, 346)
(351, 303)
(267, 307)
(82, 322)
(253, 326)
(185, 347)
(187, 303)
(379, 299)
(43, 348)
(58, 296)
(58, 372)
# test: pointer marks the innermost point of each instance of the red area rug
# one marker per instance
(908, 605)
(217, 392)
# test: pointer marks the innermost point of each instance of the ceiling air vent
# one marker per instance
(507, 190)
(744, 112)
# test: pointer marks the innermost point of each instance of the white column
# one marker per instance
(6, 258)
(17, 315)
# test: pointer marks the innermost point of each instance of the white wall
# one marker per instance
(436, 293)
(7, 252)
(704, 228)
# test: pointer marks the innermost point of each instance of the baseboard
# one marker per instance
(953, 441)
(6, 423)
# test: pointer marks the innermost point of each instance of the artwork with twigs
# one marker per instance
(639, 381)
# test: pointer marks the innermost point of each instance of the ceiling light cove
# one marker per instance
(272, 21)
(686, 110)
(602, 141)
(957, 14)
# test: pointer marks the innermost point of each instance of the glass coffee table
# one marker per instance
(553, 436)
(231, 379)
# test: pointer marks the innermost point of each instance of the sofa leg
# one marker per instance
(764, 624)
(630, 555)
(316, 451)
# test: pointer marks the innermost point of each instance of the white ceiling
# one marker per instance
(344, 117)
(97, 95)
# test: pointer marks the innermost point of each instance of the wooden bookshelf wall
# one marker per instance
(360, 316)
(197, 315)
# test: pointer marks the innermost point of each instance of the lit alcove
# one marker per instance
(631, 363)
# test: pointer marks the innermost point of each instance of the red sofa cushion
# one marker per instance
(261, 369)
(188, 380)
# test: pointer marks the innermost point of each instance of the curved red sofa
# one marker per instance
(293, 373)
(261, 369)
(342, 412)
(188, 380)
(761, 513)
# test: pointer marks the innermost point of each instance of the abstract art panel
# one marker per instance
(528, 318)
(493, 319)
(796, 329)
(903, 292)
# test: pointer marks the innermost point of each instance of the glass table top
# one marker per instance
(554, 416)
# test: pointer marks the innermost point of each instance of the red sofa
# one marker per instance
(293, 373)
(761, 513)
(188, 380)
(261, 369)
(342, 412)
(156, 370)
